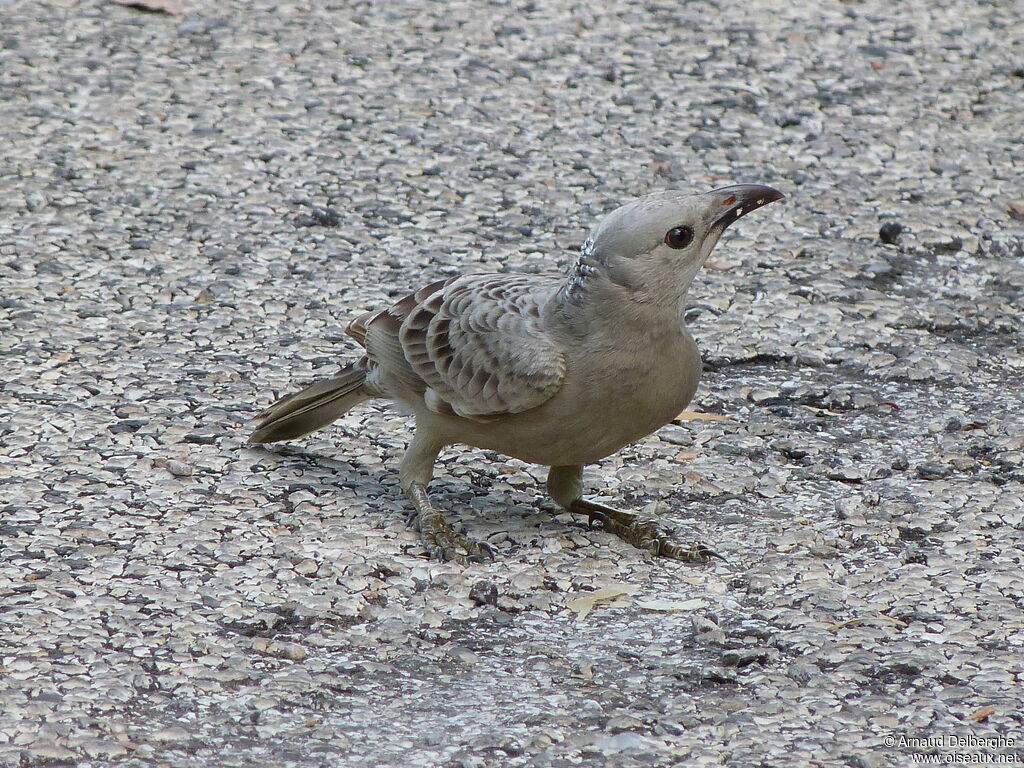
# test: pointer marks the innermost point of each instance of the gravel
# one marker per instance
(193, 207)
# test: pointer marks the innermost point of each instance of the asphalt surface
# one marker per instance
(193, 206)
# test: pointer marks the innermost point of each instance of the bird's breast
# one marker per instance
(645, 388)
(611, 396)
(612, 399)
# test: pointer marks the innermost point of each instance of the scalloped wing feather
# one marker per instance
(474, 346)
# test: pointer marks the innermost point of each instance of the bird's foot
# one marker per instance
(644, 534)
(440, 539)
(443, 542)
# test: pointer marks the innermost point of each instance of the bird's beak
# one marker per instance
(738, 200)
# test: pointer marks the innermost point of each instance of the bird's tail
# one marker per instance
(314, 407)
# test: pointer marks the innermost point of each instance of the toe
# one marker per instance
(694, 553)
(446, 546)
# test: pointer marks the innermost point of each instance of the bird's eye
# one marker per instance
(679, 237)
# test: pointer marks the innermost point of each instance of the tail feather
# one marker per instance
(314, 407)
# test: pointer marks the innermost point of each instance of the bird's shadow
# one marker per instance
(459, 498)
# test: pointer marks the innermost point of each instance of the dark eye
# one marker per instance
(679, 237)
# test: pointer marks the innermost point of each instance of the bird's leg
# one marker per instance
(565, 488)
(441, 541)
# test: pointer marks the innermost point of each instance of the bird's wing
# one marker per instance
(473, 346)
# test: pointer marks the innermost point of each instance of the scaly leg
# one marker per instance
(564, 485)
(441, 541)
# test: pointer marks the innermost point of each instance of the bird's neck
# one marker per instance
(590, 300)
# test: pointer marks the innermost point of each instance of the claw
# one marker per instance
(486, 554)
(644, 534)
(486, 549)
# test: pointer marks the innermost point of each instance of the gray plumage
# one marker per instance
(555, 371)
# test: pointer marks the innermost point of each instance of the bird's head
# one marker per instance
(654, 246)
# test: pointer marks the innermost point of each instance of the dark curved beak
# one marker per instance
(740, 199)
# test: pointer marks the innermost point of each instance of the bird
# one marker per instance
(556, 370)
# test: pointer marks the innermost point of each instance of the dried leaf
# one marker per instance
(981, 715)
(864, 619)
(701, 416)
(718, 265)
(171, 7)
(672, 606)
(823, 410)
(584, 604)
